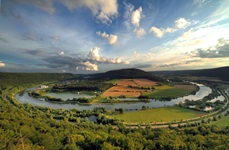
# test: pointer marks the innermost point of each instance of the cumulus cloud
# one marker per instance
(62, 62)
(136, 17)
(93, 55)
(157, 32)
(104, 10)
(181, 23)
(139, 32)
(112, 38)
(220, 50)
(89, 66)
(2, 64)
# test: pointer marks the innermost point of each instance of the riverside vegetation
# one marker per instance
(23, 126)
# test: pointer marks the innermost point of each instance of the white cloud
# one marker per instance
(157, 32)
(2, 64)
(170, 30)
(181, 23)
(219, 15)
(139, 32)
(112, 38)
(94, 53)
(136, 17)
(89, 66)
(200, 2)
(104, 10)
(129, 8)
(61, 53)
(135, 54)
(94, 56)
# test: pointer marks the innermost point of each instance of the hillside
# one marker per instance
(127, 74)
(221, 73)
(16, 79)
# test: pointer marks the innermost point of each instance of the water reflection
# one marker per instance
(25, 98)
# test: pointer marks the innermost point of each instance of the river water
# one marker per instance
(25, 98)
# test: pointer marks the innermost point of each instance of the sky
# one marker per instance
(91, 36)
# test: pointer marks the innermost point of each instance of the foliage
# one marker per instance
(15, 79)
(83, 85)
(23, 126)
(128, 74)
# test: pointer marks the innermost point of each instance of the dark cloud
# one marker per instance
(9, 8)
(143, 66)
(3, 39)
(46, 5)
(221, 50)
(37, 52)
(192, 61)
(43, 52)
(170, 65)
(68, 63)
(31, 36)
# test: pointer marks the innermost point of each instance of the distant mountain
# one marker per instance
(127, 74)
(221, 73)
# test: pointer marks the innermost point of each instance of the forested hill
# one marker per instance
(127, 74)
(28, 78)
(221, 73)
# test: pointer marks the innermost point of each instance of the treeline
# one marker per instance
(20, 131)
(83, 86)
(36, 94)
(16, 79)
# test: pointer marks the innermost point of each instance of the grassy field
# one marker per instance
(168, 91)
(223, 123)
(164, 114)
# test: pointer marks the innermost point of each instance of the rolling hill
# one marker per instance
(221, 73)
(127, 74)
(16, 79)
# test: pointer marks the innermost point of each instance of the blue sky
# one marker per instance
(92, 36)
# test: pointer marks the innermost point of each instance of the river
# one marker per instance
(25, 98)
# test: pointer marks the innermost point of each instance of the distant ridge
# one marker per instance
(221, 73)
(127, 74)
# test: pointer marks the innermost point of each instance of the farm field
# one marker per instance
(128, 87)
(136, 87)
(165, 114)
(169, 91)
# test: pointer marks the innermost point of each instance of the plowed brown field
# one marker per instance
(128, 87)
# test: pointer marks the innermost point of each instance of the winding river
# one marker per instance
(25, 98)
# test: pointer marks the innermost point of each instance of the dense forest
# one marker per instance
(220, 73)
(131, 73)
(15, 79)
(26, 127)
(83, 86)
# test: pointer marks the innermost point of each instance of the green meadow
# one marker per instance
(167, 91)
(165, 114)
